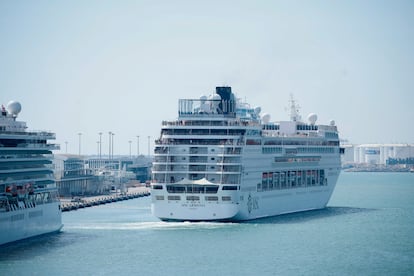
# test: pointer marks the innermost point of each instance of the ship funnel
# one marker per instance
(228, 102)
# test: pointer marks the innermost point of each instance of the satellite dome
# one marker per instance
(266, 118)
(216, 97)
(257, 109)
(203, 98)
(332, 122)
(312, 118)
(14, 107)
(215, 101)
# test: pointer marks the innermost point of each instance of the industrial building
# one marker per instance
(73, 178)
(378, 154)
(80, 175)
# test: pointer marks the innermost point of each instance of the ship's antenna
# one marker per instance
(294, 109)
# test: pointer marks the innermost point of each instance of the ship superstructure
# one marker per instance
(29, 205)
(224, 160)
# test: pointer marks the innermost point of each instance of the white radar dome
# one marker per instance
(266, 118)
(203, 98)
(216, 97)
(14, 107)
(332, 122)
(216, 100)
(257, 110)
(312, 118)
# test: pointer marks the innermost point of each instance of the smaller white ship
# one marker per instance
(29, 205)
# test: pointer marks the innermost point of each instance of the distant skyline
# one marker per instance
(121, 66)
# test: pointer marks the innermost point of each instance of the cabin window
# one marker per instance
(193, 198)
(211, 190)
(211, 198)
(174, 197)
(229, 188)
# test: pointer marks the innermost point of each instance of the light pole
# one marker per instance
(110, 136)
(66, 147)
(137, 145)
(113, 134)
(129, 148)
(149, 137)
(80, 134)
(100, 146)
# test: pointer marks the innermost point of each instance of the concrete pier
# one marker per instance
(71, 204)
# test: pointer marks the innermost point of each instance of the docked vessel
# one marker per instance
(29, 205)
(223, 160)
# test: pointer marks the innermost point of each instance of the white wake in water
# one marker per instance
(155, 225)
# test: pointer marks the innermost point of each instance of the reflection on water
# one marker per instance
(310, 215)
(32, 247)
(81, 232)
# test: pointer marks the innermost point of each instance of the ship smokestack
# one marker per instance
(228, 102)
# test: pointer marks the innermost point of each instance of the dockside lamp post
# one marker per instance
(137, 145)
(80, 134)
(113, 134)
(100, 146)
(149, 137)
(109, 152)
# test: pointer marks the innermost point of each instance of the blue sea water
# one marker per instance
(367, 229)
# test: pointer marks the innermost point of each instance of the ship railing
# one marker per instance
(42, 146)
(197, 114)
(49, 134)
(217, 170)
(42, 133)
(181, 122)
(9, 202)
(192, 189)
(4, 203)
(192, 142)
(174, 180)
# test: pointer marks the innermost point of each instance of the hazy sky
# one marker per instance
(121, 66)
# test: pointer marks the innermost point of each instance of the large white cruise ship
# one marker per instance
(29, 205)
(222, 160)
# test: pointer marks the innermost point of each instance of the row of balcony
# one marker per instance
(227, 123)
(213, 178)
(197, 150)
(197, 159)
(196, 168)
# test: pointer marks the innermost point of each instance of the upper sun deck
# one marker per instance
(11, 128)
(224, 111)
(221, 106)
(205, 108)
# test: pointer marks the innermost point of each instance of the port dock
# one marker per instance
(72, 204)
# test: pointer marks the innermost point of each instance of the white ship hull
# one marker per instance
(30, 222)
(250, 205)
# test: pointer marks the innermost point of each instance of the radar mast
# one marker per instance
(294, 110)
